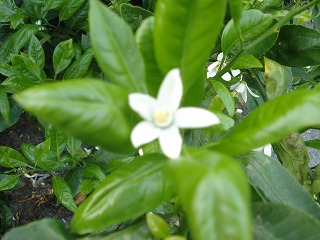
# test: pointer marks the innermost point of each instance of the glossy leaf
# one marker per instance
(276, 221)
(214, 193)
(36, 51)
(145, 41)
(133, 15)
(17, 83)
(266, 4)
(252, 24)
(69, 8)
(247, 61)
(54, 4)
(62, 104)
(188, 42)
(278, 78)
(73, 145)
(63, 193)
(79, 19)
(225, 95)
(23, 36)
(41, 152)
(62, 56)
(8, 182)
(4, 105)
(157, 225)
(6, 48)
(297, 46)
(11, 158)
(53, 229)
(276, 183)
(115, 48)
(58, 140)
(267, 124)
(125, 194)
(80, 67)
(31, 65)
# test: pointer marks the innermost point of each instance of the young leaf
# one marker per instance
(8, 182)
(69, 8)
(246, 61)
(188, 42)
(115, 49)
(145, 41)
(214, 192)
(225, 96)
(125, 194)
(63, 193)
(90, 111)
(80, 67)
(36, 51)
(62, 56)
(268, 124)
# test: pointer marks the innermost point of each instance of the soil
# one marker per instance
(35, 199)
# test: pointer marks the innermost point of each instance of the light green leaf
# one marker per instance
(8, 182)
(115, 49)
(69, 8)
(252, 24)
(145, 41)
(73, 145)
(36, 51)
(62, 56)
(214, 192)
(247, 61)
(225, 95)
(31, 65)
(17, 83)
(63, 105)
(185, 33)
(272, 121)
(278, 78)
(63, 193)
(236, 10)
(157, 225)
(125, 194)
(80, 67)
(93, 170)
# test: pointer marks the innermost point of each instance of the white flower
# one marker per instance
(163, 117)
(242, 88)
(213, 69)
(266, 149)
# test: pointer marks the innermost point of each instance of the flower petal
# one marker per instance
(252, 93)
(239, 87)
(220, 57)
(144, 132)
(267, 150)
(170, 92)
(226, 77)
(171, 142)
(143, 104)
(191, 117)
(244, 94)
(235, 72)
(212, 69)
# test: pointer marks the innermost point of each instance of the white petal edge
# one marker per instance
(191, 117)
(267, 150)
(212, 69)
(244, 95)
(170, 92)
(220, 57)
(143, 104)
(171, 142)
(235, 72)
(252, 93)
(144, 132)
(226, 77)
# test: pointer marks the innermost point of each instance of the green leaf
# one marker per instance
(276, 183)
(93, 170)
(115, 49)
(247, 61)
(252, 24)
(8, 182)
(63, 193)
(145, 41)
(69, 8)
(272, 121)
(31, 65)
(297, 46)
(54, 4)
(4, 105)
(225, 95)
(275, 221)
(58, 140)
(278, 78)
(236, 10)
(214, 192)
(52, 229)
(73, 145)
(36, 51)
(23, 36)
(17, 83)
(157, 225)
(88, 111)
(125, 194)
(79, 20)
(260, 48)
(11, 158)
(6, 49)
(5, 13)
(266, 4)
(13, 118)
(80, 67)
(28, 151)
(313, 144)
(62, 56)
(188, 42)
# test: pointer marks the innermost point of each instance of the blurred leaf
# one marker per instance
(214, 192)
(297, 46)
(157, 225)
(115, 49)
(63, 193)
(272, 121)
(125, 194)
(225, 95)
(62, 56)
(276, 183)
(69, 8)
(63, 105)
(8, 182)
(188, 42)
(80, 67)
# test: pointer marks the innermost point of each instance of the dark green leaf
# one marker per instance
(115, 49)
(185, 33)
(93, 170)
(272, 121)
(297, 46)
(58, 140)
(63, 193)
(63, 105)
(125, 194)
(313, 143)
(11, 158)
(80, 67)
(54, 4)
(69, 8)
(36, 51)
(8, 182)
(4, 105)
(13, 118)
(23, 36)
(6, 49)
(79, 19)
(62, 56)
(41, 152)
(260, 48)
(225, 95)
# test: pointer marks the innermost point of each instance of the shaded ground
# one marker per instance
(32, 201)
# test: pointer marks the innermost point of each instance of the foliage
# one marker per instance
(75, 65)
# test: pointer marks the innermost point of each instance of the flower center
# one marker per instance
(162, 116)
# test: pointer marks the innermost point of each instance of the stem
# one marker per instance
(270, 31)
